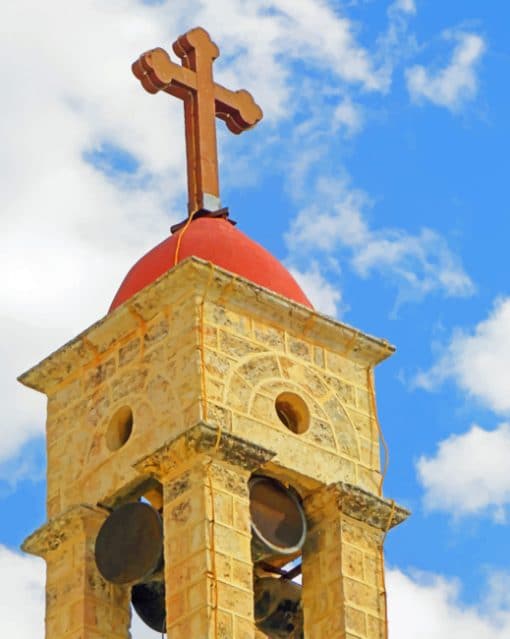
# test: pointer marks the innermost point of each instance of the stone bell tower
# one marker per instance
(213, 398)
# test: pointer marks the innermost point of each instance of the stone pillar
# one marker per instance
(322, 596)
(208, 567)
(343, 588)
(80, 604)
(206, 514)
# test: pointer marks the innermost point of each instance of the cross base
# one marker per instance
(204, 213)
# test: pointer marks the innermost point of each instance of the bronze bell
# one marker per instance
(278, 611)
(129, 548)
(278, 521)
(148, 600)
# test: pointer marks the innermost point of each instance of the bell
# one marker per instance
(278, 611)
(278, 522)
(129, 545)
(148, 600)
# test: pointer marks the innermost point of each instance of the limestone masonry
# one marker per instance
(198, 359)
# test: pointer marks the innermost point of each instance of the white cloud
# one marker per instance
(396, 44)
(422, 606)
(22, 599)
(478, 360)
(324, 296)
(270, 34)
(454, 84)
(406, 6)
(140, 631)
(21, 595)
(468, 475)
(28, 464)
(348, 116)
(418, 264)
(498, 595)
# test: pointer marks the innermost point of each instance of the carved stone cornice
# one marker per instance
(204, 440)
(62, 528)
(188, 277)
(369, 508)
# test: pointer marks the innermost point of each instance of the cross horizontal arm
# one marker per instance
(237, 109)
(156, 72)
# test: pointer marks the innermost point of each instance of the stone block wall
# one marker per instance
(208, 565)
(249, 363)
(148, 355)
(80, 604)
(343, 585)
(155, 371)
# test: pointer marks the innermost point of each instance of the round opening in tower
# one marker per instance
(293, 412)
(119, 428)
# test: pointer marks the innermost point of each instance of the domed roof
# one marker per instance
(219, 242)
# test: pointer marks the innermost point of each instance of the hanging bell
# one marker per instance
(148, 600)
(129, 545)
(278, 611)
(278, 522)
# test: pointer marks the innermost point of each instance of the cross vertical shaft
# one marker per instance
(198, 53)
(204, 100)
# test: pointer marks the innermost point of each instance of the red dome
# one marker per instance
(217, 241)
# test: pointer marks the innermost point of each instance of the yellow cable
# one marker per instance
(381, 557)
(309, 322)
(94, 349)
(375, 415)
(214, 573)
(350, 344)
(202, 342)
(381, 483)
(181, 235)
(228, 288)
(390, 518)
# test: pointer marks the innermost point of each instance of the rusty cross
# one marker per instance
(204, 100)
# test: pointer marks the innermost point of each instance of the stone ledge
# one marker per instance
(202, 439)
(58, 530)
(366, 507)
(192, 277)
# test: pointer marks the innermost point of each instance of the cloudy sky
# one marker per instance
(378, 176)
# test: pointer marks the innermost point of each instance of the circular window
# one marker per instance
(119, 428)
(293, 412)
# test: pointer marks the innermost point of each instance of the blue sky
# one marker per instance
(378, 176)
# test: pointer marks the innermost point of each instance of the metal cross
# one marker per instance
(204, 100)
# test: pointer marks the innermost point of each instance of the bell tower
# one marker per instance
(213, 445)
